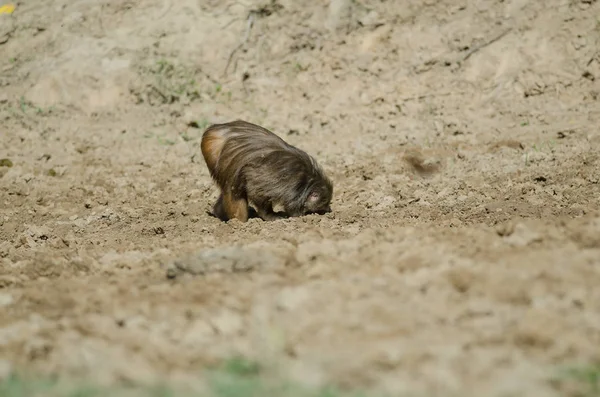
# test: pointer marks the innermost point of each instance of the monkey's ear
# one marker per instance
(313, 197)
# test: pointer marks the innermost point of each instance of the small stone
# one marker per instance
(171, 273)
(505, 229)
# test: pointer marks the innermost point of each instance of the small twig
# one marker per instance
(485, 44)
(419, 97)
(246, 36)
(229, 23)
(208, 76)
(159, 92)
(100, 21)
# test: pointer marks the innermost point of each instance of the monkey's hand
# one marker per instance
(270, 215)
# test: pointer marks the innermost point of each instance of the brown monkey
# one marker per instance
(252, 165)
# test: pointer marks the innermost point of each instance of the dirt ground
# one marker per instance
(475, 274)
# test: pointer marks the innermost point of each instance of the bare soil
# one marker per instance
(462, 256)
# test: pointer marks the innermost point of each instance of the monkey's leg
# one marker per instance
(235, 207)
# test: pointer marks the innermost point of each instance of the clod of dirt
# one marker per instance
(171, 273)
(234, 259)
(588, 75)
(461, 279)
(564, 134)
(536, 330)
(42, 266)
(193, 124)
(7, 281)
(6, 163)
(522, 236)
(505, 229)
(586, 232)
(340, 12)
(509, 143)
(37, 349)
(423, 166)
(372, 18)
(35, 235)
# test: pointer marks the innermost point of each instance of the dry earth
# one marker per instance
(463, 253)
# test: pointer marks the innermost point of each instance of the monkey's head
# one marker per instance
(319, 197)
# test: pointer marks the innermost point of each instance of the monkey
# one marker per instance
(253, 166)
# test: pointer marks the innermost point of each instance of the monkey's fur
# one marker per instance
(250, 164)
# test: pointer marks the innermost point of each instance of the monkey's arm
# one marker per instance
(267, 214)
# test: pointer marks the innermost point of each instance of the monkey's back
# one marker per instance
(239, 150)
